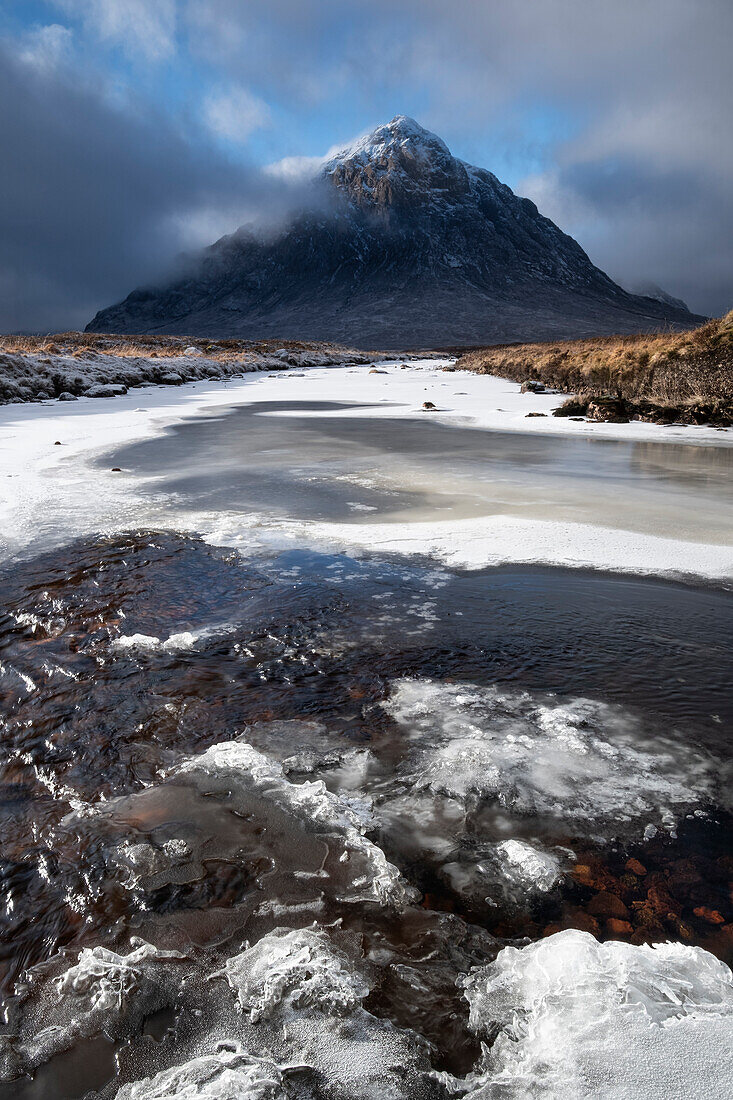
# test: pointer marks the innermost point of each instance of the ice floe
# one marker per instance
(346, 816)
(103, 992)
(578, 1020)
(586, 764)
(289, 970)
(229, 1074)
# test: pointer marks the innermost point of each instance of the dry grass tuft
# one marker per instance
(668, 368)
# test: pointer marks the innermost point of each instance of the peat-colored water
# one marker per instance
(385, 681)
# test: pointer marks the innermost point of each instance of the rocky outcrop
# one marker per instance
(415, 249)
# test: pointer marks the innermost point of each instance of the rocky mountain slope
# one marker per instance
(414, 248)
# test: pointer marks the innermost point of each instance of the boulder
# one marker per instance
(606, 906)
(611, 410)
(109, 389)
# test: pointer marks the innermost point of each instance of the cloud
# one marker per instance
(614, 118)
(143, 28)
(642, 92)
(234, 114)
(101, 194)
(46, 47)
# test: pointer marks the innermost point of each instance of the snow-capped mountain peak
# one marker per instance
(418, 248)
(401, 133)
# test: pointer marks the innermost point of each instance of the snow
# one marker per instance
(494, 540)
(402, 131)
(580, 1019)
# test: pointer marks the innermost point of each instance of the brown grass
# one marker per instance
(668, 368)
(88, 344)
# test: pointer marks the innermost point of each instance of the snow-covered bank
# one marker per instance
(53, 490)
(78, 370)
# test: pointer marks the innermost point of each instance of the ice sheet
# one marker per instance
(584, 763)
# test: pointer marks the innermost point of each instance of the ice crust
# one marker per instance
(529, 866)
(287, 971)
(226, 1075)
(346, 816)
(102, 992)
(581, 1020)
(142, 643)
(582, 762)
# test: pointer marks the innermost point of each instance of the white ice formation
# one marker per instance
(581, 762)
(347, 817)
(294, 970)
(580, 1020)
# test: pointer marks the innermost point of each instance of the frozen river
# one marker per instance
(409, 779)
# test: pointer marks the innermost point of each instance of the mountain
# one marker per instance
(414, 248)
(651, 290)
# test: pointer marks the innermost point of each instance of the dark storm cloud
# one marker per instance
(98, 195)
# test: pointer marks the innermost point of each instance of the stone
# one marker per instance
(606, 905)
(106, 390)
(635, 867)
(616, 927)
(610, 410)
(711, 916)
(66, 396)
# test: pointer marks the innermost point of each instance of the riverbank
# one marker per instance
(78, 364)
(661, 378)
